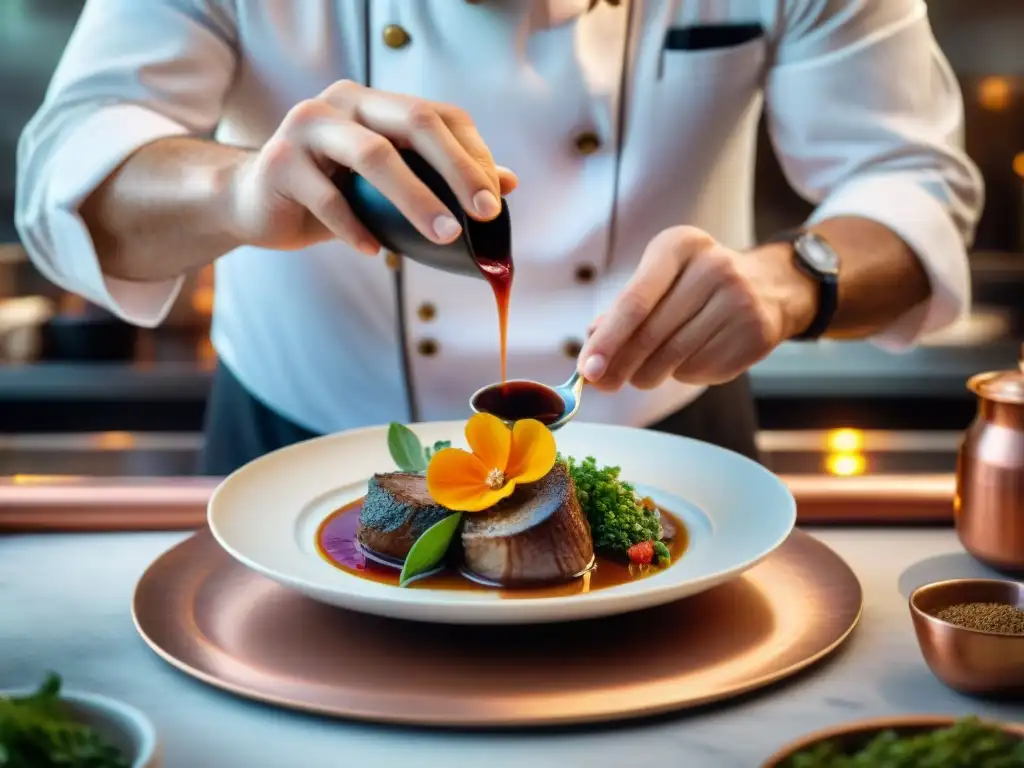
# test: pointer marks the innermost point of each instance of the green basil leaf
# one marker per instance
(430, 548)
(405, 448)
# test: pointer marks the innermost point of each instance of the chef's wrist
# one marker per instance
(795, 292)
(230, 191)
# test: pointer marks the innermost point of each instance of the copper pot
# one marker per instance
(989, 500)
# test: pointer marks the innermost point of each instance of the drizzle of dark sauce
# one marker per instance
(515, 400)
(336, 542)
(499, 272)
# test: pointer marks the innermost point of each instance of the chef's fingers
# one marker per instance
(593, 325)
(660, 265)
(374, 157)
(305, 182)
(722, 358)
(465, 132)
(686, 298)
(508, 180)
(675, 355)
(469, 172)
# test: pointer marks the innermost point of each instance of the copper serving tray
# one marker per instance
(228, 626)
(32, 503)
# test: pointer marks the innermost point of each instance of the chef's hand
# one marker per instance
(697, 311)
(283, 196)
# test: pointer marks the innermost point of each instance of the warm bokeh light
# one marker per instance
(206, 355)
(202, 295)
(845, 464)
(202, 301)
(995, 93)
(115, 441)
(1018, 165)
(71, 304)
(845, 440)
(43, 479)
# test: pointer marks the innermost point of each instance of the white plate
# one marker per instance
(266, 515)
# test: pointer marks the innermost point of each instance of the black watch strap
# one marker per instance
(816, 258)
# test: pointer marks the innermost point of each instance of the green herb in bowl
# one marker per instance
(968, 743)
(36, 731)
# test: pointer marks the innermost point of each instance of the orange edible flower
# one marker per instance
(501, 458)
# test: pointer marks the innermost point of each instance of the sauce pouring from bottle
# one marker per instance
(499, 273)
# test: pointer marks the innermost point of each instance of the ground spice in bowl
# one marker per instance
(985, 617)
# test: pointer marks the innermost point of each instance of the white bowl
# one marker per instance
(123, 726)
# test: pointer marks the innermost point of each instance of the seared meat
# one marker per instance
(537, 535)
(396, 511)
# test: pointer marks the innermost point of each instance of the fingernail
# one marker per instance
(594, 367)
(486, 203)
(446, 227)
(507, 171)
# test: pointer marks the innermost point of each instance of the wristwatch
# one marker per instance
(819, 261)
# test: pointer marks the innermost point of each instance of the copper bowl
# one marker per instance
(852, 737)
(969, 660)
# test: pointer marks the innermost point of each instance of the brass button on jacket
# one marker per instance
(572, 348)
(395, 36)
(588, 143)
(392, 260)
(427, 347)
(426, 312)
(585, 273)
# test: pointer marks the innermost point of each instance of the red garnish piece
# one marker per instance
(642, 553)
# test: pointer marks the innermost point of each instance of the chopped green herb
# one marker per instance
(36, 732)
(618, 519)
(662, 554)
(967, 744)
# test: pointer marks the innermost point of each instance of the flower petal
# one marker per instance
(486, 500)
(490, 440)
(532, 454)
(457, 480)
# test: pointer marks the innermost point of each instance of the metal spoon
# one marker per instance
(570, 394)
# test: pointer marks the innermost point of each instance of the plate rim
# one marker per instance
(414, 606)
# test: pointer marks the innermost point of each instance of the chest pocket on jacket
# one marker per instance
(694, 100)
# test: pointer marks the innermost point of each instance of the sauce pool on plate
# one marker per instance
(337, 544)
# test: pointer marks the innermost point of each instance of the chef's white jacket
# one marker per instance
(615, 130)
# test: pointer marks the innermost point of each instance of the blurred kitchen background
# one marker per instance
(81, 393)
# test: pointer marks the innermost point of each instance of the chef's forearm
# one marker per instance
(166, 210)
(880, 279)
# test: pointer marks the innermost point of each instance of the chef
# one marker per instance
(177, 133)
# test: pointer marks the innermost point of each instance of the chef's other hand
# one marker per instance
(696, 311)
(283, 196)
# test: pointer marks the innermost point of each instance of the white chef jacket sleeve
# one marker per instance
(134, 71)
(866, 116)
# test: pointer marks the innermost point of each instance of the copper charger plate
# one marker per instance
(214, 619)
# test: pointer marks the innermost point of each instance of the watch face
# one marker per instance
(817, 254)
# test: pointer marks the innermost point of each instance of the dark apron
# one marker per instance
(240, 428)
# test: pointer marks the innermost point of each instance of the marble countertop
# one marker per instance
(64, 605)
